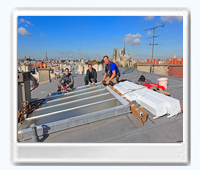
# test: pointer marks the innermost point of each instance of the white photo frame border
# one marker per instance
(96, 153)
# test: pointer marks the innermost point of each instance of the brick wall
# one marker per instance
(176, 71)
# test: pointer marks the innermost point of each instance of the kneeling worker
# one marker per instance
(91, 75)
(112, 72)
(66, 81)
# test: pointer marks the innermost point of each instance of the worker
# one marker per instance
(66, 81)
(91, 75)
(112, 72)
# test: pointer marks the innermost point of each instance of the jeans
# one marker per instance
(86, 82)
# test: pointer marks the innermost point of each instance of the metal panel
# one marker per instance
(158, 104)
(74, 97)
(58, 95)
(131, 96)
(172, 104)
(74, 110)
(70, 113)
(121, 89)
(68, 105)
(101, 108)
(126, 93)
(131, 86)
(127, 71)
(74, 121)
(154, 105)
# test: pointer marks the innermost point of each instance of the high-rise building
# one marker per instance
(24, 57)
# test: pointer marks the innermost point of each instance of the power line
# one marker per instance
(153, 28)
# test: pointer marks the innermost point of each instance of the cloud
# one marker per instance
(21, 20)
(82, 54)
(79, 49)
(170, 19)
(133, 39)
(23, 31)
(28, 23)
(43, 34)
(118, 37)
(149, 33)
(140, 55)
(149, 18)
(66, 52)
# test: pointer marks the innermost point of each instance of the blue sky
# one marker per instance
(95, 36)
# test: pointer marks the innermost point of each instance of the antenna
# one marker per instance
(153, 28)
(46, 56)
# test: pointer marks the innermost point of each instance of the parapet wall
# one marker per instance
(174, 70)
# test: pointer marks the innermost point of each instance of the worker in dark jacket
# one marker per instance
(66, 81)
(91, 75)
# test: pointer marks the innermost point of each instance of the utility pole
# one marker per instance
(124, 47)
(151, 70)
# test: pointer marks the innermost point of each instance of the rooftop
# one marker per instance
(125, 128)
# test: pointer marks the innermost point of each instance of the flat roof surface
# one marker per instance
(124, 128)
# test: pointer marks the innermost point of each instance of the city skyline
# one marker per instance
(95, 36)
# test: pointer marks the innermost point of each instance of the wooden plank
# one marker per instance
(138, 112)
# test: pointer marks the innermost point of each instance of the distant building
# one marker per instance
(122, 58)
(82, 61)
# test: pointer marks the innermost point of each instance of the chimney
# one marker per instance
(44, 75)
(24, 92)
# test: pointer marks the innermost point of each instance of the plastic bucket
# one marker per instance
(163, 82)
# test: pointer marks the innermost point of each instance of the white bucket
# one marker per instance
(163, 82)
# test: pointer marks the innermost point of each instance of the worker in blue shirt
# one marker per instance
(112, 72)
